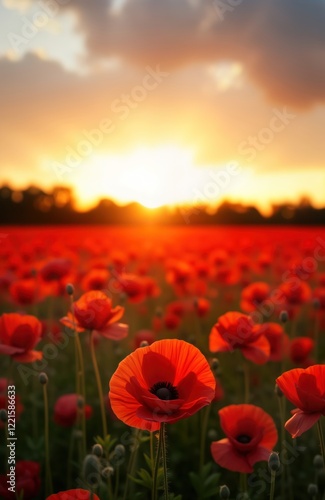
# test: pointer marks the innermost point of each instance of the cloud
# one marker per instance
(281, 44)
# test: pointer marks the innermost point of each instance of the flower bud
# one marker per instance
(107, 472)
(3, 415)
(224, 492)
(69, 289)
(274, 462)
(43, 378)
(91, 470)
(318, 462)
(80, 403)
(284, 316)
(312, 490)
(215, 364)
(97, 450)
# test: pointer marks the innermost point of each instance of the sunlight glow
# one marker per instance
(151, 176)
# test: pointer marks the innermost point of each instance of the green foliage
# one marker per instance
(206, 483)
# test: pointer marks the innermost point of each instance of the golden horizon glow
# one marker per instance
(153, 177)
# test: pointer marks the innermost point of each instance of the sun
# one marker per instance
(153, 177)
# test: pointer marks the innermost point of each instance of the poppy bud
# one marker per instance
(224, 492)
(107, 472)
(3, 415)
(43, 378)
(69, 289)
(312, 490)
(119, 449)
(97, 450)
(274, 462)
(284, 316)
(80, 402)
(318, 462)
(212, 434)
(215, 364)
(91, 470)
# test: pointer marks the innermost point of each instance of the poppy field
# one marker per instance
(162, 363)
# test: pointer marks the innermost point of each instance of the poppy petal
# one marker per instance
(300, 422)
(115, 331)
(28, 356)
(226, 456)
(258, 351)
(217, 343)
(288, 384)
(116, 314)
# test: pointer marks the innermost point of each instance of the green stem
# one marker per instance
(243, 482)
(246, 381)
(316, 336)
(99, 384)
(272, 485)
(164, 457)
(81, 374)
(48, 482)
(321, 440)
(281, 403)
(205, 420)
(117, 482)
(132, 460)
(80, 379)
(156, 468)
(70, 455)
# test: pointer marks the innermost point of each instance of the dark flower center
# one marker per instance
(164, 390)
(243, 438)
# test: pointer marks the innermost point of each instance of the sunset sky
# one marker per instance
(165, 101)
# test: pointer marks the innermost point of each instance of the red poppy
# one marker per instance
(133, 286)
(164, 382)
(66, 410)
(300, 350)
(19, 334)
(96, 279)
(55, 269)
(278, 340)
(235, 330)
(172, 321)
(24, 291)
(254, 295)
(295, 292)
(93, 311)
(77, 494)
(143, 336)
(27, 475)
(305, 388)
(251, 436)
(202, 307)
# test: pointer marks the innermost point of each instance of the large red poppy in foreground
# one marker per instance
(235, 330)
(19, 334)
(306, 390)
(164, 382)
(251, 436)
